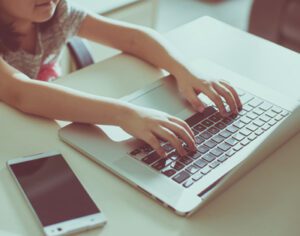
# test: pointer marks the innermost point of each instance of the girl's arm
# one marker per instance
(152, 47)
(57, 102)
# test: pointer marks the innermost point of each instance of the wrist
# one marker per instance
(124, 112)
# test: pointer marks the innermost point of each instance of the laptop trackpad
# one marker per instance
(165, 97)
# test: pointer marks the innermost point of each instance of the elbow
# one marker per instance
(15, 96)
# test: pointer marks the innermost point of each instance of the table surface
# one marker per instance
(264, 202)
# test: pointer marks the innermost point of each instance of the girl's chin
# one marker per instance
(43, 16)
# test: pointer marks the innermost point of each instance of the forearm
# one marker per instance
(61, 103)
(152, 47)
(139, 41)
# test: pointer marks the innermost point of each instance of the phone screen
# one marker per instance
(53, 190)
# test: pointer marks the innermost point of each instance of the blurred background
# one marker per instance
(274, 20)
(173, 13)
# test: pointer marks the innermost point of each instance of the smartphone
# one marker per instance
(55, 195)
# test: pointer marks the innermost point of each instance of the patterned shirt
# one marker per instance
(50, 41)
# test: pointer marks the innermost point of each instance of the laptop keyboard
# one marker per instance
(217, 140)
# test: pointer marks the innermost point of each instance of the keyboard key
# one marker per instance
(259, 132)
(242, 113)
(255, 102)
(258, 111)
(230, 153)
(265, 106)
(252, 115)
(245, 142)
(238, 136)
(252, 136)
(206, 135)
(252, 127)
(265, 118)
(224, 147)
(181, 176)
(227, 120)
(168, 171)
(217, 152)
(276, 109)
(199, 127)
(272, 122)
(222, 158)
(192, 169)
(231, 141)
(216, 117)
(198, 117)
(207, 123)
(209, 157)
(205, 170)
(151, 158)
(239, 124)
(213, 130)
(284, 113)
(271, 113)
(214, 164)
(232, 129)
(188, 183)
(266, 127)
(245, 131)
(220, 125)
(197, 176)
(203, 149)
(168, 147)
(238, 147)
(186, 160)
(218, 138)
(278, 118)
(225, 134)
(200, 163)
(247, 108)
(199, 140)
(177, 165)
(245, 120)
(161, 164)
(210, 143)
(258, 122)
(194, 155)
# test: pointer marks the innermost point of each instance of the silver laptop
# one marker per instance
(226, 148)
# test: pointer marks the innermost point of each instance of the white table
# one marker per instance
(264, 202)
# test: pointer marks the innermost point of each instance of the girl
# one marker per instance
(32, 33)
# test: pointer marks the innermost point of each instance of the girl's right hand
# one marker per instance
(152, 125)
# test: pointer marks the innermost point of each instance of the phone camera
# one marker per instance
(59, 229)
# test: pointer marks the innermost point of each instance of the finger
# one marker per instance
(182, 133)
(227, 95)
(215, 97)
(234, 93)
(183, 124)
(193, 99)
(169, 136)
(153, 141)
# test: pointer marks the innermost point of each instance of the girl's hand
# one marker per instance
(151, 126)
(191, 85)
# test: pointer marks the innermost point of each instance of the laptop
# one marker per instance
(227, 148)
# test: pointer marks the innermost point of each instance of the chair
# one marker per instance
(277, 21)
(79, 53)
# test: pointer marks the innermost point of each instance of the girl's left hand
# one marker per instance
(190, 86)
